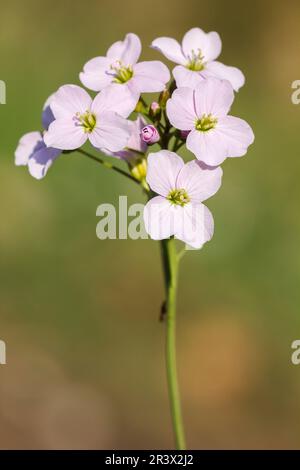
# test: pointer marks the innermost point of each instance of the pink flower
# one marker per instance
(78, 119)
(32, 151)
(214, 136)
(196, 58)
(119, 69)
(135, 145)
(150, 134)
(178, 208)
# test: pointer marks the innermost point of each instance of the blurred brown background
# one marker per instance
(80, 316)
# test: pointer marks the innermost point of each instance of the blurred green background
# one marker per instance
(85, 349)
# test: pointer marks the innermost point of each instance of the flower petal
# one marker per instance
(95, 75)
(135, 141)
(65, 135)
(128, 51)
(199, 181)
(111, 132)
(232, 74)
(236, 133)
(159, 218)
(28, 144)
(70, 99)
(208, 147)
(180, 109)
(194, 225)
(170, 48)
(116, 98)
(213, 96)
(40, 162)
(48, 116)
(209, 44)
(186, 78)
(150, 76)
(163, 169)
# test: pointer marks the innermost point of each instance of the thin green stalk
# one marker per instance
(108, 165)
(170, 261)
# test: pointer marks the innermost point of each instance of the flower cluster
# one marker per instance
(192, 110)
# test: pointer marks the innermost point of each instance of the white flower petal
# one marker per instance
(96, 73)
(196, 40)
(64, 134)
(186, 78)
(128, 51)
(199, 181)
(236, 133)
(170, 48)
(208, 147)
(150, 76)
(163, 169)
(194, 225)
(225, 72)
(180, 109)
(111, 132)
(159, 218)
(213, 96)
(116, 98)
(28, 144)
(69, 100)
(40, 162)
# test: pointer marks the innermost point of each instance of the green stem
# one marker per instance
(170, 261)
(108, 165)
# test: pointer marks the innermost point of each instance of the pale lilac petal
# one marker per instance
(159, 218)
(149, 77)
(47, 116)
(199, 181)
(64, 134)
(128, 51)
(69, 100)
(197, 40)
(186, 78)
(194, 224)
(213, 96)
(236, 134)
(111, 132)
(163, 169)
(170, 48)
(40, 162)
(135, 141)
(180, 109)
(96, 73)
(208, 147)
(116, 98)
(28, 144)
(219, 70)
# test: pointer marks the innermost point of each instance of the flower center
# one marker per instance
(178, 197)
(86, 120)
(122, 74)
(195, 62)
(205, 123)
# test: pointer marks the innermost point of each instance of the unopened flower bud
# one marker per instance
(155, 110)
(150, 134)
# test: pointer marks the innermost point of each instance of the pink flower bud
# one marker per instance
(150, 134)
(154, 107)
(184, 134)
